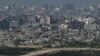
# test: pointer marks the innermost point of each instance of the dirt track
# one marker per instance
(52, 50)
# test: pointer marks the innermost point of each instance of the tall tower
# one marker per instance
(48, 19)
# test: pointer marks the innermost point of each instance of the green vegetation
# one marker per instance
(75, 53)
(15, 51)
(82, 45)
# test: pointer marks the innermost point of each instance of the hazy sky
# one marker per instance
(50, 2)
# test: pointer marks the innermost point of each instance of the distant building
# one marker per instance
(63, 26)
(87, 20)
(48, 20)
(4, 24)
(14, 25)
(30, 18)
(91, 26)
(92, 8)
